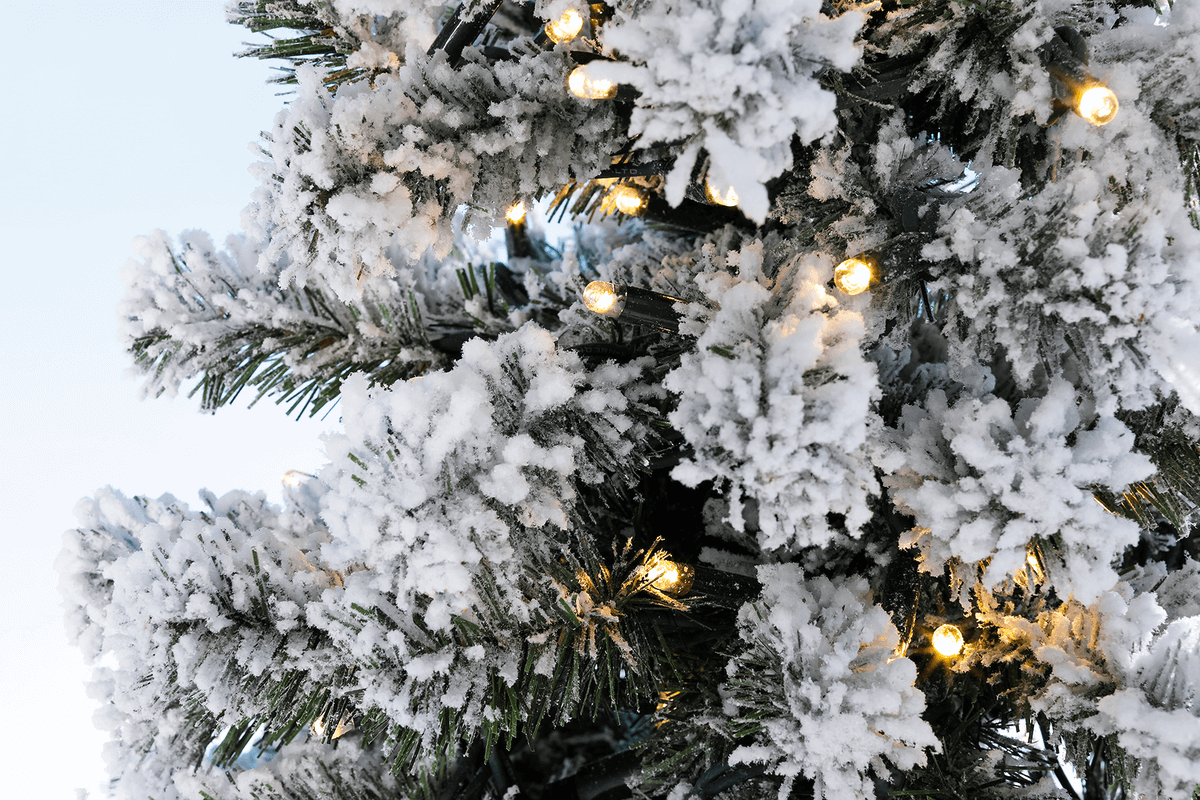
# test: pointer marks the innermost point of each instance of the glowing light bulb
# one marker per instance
(948, 640)
(516, 213)
(294, 477)
(853, 276)
(728, 197)
(565, 28)
(627, 199)
(601, 297)
(584, 86)
(318, 727)
(670, 578)
(1098, 105)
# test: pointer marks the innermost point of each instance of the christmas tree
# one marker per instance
(849, 448)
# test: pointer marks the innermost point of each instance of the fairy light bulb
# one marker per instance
(602, 297)
(516, 213)
(728, 197)
(948, 640)
(586, 87)
(632, 304)
(671, 578)
(566, 27)
(1097, 104)
(294, 477)
(627, 199)
(853, 276)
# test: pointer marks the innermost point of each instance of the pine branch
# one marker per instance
(199, 313)
(320, 38)
(589, 645)
(1174, 491)
(927, 59)
(1190, 158)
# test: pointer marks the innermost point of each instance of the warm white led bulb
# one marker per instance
(294, 477)
(627, 199)
(601, 297)
(584, 86)
(565, 28)
(1098, 105)
(516, 213)
(948, 640)
(670, 578)
(854, 275)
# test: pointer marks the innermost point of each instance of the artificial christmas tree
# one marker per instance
(849, 449)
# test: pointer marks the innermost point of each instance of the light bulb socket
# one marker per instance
(632, 304)
(517, 241)
(620, 93)
(627, 170)
(1066, 58)
(651, 308)
(459, 31)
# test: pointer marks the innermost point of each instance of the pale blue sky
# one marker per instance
(119, 117)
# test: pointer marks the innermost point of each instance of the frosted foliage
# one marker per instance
(188, 605)
(984, 483)
(1167, 743)
(821, 679)
(1114, 669)
(418, 15)
(735, 78)
(370, 33)
(480, 429)
(1160, 724)
(187, 297)
(776, 403)
(302, 770)
(200, 310)
(1165, 59)
(459, 480)
(104, 538)
(1179, 592)
(1078, 272)
(1088, 650)
(998, 80)
(1111, 673)
(390, 162)
(1170, 671)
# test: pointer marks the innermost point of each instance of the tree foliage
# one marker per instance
(697, 543)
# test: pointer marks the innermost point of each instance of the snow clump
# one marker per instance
(984, 484)
(736, 79)
(822, 685)
(776, 403)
